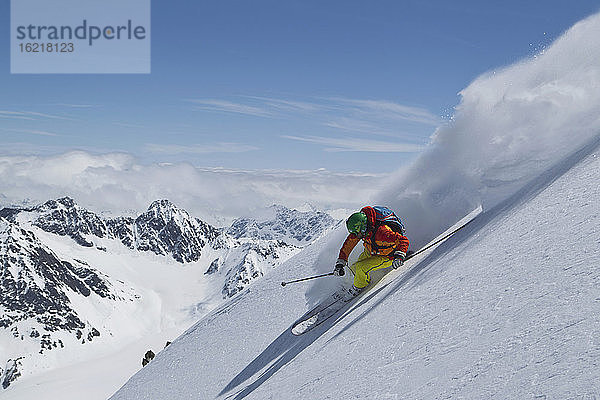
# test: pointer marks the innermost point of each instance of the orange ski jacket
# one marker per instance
(386, 240)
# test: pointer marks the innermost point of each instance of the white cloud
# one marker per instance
(32, 132)
(289, 105)
(230, 107)
(76, 105)
(31, 115)
(374, 117)
(222, 147)
(359, 145)
(388, 110)
(354, 125)
(15, 115)
(118, 184)
(129, 125)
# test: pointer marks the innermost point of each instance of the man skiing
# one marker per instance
(384, 244)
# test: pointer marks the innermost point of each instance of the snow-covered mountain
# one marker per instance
(163, 229)
(69, 276)
(281, 223)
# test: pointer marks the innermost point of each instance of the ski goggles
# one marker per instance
(358, 229)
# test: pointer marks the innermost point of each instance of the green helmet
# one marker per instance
(357, 223)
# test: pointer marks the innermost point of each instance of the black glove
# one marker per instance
(398, 259)
(339, 267)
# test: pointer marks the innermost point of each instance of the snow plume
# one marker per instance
(118, 184)
(510, 126)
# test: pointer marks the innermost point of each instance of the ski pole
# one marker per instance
(305, 279)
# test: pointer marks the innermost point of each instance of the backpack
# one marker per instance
(384, 215)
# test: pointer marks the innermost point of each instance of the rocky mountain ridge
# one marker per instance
(163, 229)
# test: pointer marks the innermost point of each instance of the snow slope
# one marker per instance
(510, 307)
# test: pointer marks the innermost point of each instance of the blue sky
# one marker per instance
(340, 85)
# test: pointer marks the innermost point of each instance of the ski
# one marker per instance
(320, 313)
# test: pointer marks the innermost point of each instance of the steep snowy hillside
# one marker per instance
(508, 307)
(78, 289)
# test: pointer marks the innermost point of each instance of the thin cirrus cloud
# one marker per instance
(388, 109)
(377, 117)
(222, 147)
(129, 125)
(358, 145)
(30, 115)
(354, 125)
(230, 107)
(15, 115)
(70, 105)
(36, 132)
(288, 105)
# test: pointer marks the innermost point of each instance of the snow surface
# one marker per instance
(508, 307)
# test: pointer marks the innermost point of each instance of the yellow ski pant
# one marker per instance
(366, 264)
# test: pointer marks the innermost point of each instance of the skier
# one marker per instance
(384, 245)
